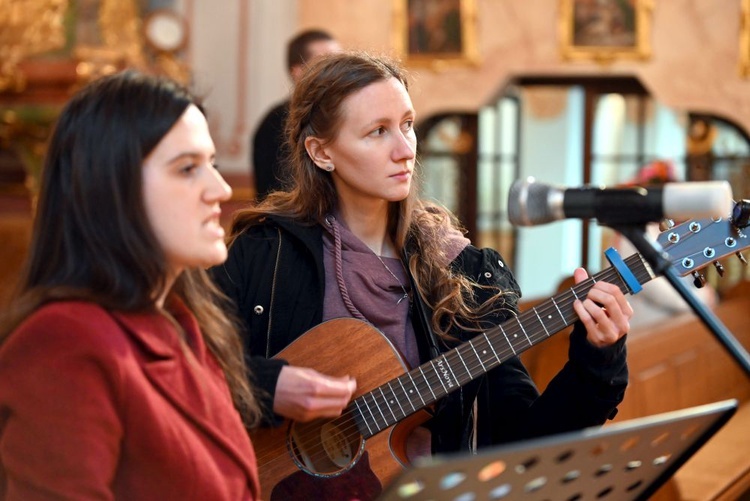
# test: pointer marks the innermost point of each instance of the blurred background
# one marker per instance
(571, 92)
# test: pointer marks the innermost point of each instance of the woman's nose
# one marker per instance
(406, 148)
(218, 188)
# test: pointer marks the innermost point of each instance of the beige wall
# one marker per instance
(694, 62)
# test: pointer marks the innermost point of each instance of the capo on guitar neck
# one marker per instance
(622, 269)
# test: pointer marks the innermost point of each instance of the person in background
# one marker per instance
(120, 374)
(268, 139)
(659, 301)
(351, 238)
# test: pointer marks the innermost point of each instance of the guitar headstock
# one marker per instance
(695, 244)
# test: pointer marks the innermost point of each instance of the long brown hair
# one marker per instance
(92, 239)
(316, 111)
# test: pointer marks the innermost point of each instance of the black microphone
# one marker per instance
(531, 203)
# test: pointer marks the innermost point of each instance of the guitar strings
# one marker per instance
(550, 309)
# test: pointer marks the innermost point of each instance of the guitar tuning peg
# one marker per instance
(719, 268)
(698, 280)
(742, 258)
(741, 214)
(666, 224)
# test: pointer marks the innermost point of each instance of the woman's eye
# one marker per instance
(409, 124)
(379, 131)
(188, 169)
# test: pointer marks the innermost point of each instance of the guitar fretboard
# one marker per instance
(392, 402)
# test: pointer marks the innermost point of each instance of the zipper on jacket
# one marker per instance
(273, 295)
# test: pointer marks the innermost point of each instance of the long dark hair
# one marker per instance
(92, 239)
(316, 111)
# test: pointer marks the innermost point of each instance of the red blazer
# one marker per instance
(102, 405)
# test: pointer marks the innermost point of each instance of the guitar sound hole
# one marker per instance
(323, 447)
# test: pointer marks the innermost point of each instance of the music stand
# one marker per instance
(622, 461)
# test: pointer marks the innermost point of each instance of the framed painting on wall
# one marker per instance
(436, 32)
(605, 30)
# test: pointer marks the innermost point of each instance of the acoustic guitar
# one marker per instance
(357, 454)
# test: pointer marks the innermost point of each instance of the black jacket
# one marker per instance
(268, 151)
(275, 276)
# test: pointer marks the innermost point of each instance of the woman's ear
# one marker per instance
(317, 153)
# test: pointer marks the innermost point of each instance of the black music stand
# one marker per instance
(623, 461)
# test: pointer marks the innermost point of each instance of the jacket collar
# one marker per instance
(174, 376)
(308, 234)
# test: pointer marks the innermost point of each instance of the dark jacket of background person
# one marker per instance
(267, 143)
(268, 151)
(274, 274)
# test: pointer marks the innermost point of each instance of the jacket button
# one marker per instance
(258, 310)
(487, 274)
(502, 265)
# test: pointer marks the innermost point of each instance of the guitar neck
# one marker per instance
(390, 403)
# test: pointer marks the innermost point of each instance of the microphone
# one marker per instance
(531, 203)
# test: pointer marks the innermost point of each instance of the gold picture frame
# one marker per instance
(436, 32)
(744, 65)
(604, 31)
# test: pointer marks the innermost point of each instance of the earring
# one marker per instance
(329, 167)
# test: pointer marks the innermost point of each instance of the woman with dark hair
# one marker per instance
(351, 238)
(120, 375)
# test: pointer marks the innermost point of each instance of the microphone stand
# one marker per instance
(661, 265)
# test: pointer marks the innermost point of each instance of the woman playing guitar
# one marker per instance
(351, 238)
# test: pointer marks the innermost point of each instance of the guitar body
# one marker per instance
(340, 347)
